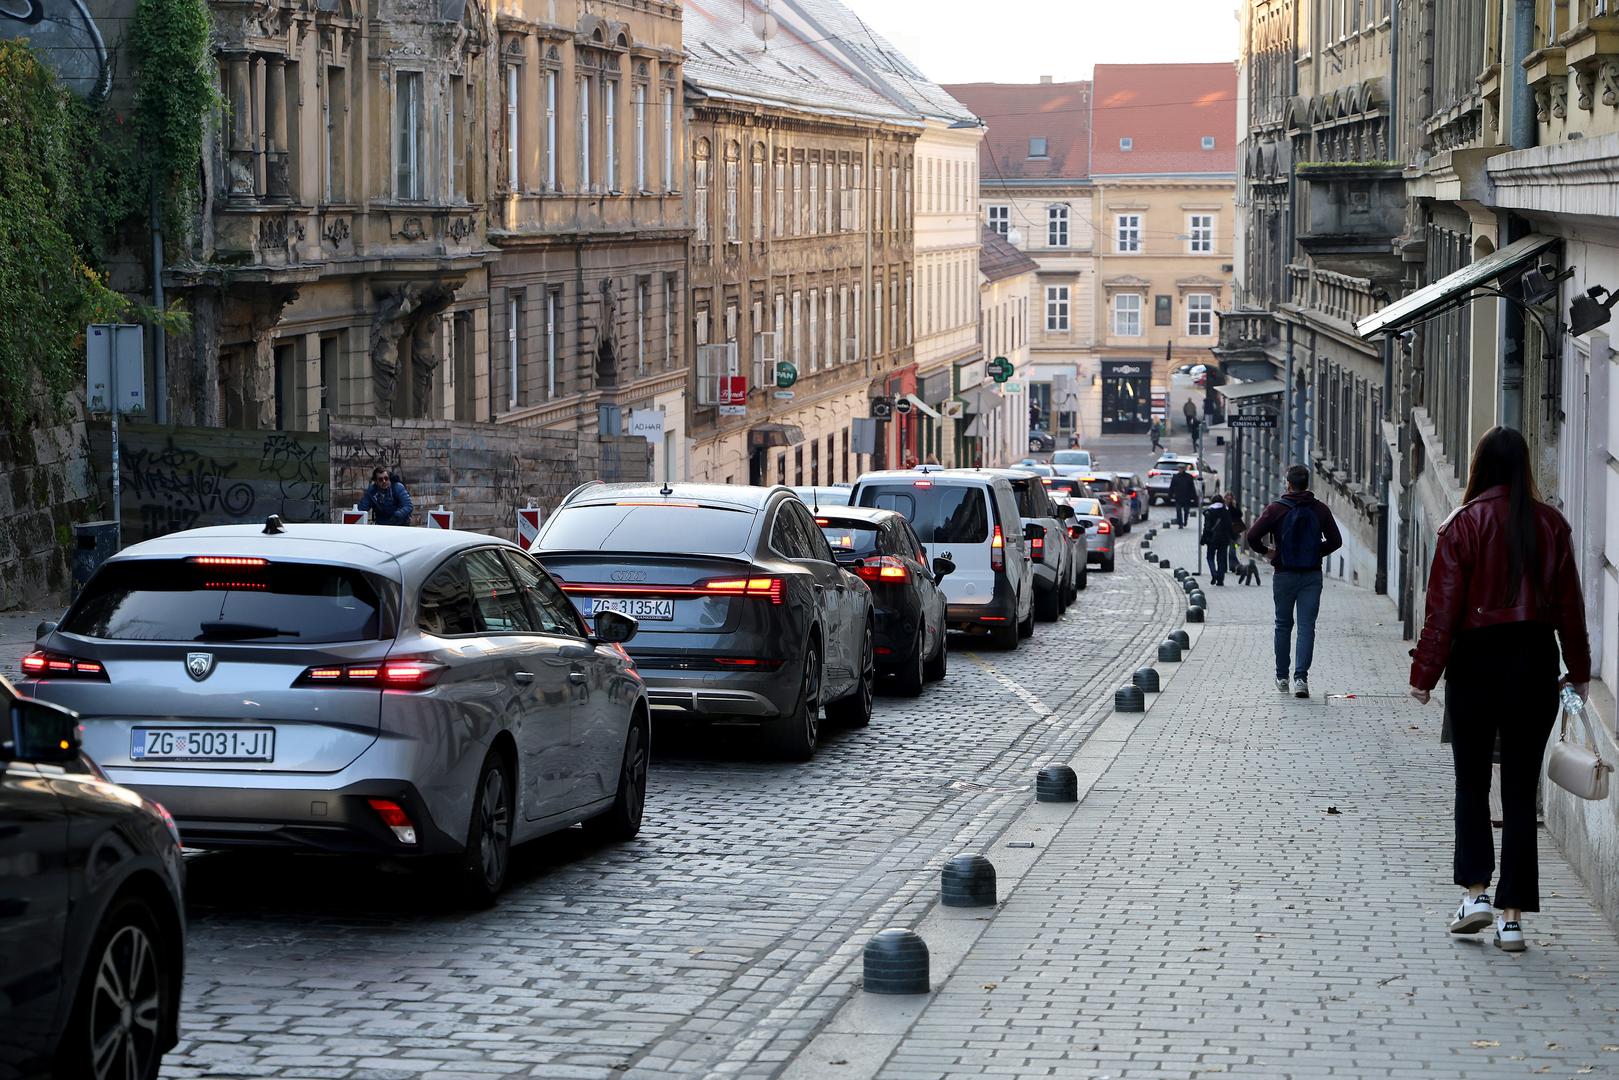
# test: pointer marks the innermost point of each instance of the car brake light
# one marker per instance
(1074, 532)
(393, 815)
(997, 550)
(227, 560)
(922, 483)
(1114, 495)
(1037, 544)
(752, 663)
(56, 666)
(883, 568)
(1154, 472)
(389, 675)
(771, 587)
(1103, 527)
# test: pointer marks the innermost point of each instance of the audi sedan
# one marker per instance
(746, 617)
(353, 688)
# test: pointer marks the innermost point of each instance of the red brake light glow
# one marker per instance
(997, 550)
(393, 815)
(922, 483)
(882, 568)
(55, 666)
(227, 560)
(770, 587)
(1103, 527)
(389, 675)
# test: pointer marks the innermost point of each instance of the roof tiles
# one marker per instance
(1059, 113)
(1165, 110)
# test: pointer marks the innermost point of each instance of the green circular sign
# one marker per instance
(786, 373)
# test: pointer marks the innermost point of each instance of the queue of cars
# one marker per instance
(436, 697)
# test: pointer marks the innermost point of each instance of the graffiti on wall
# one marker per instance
(65, 36)
(177, 478)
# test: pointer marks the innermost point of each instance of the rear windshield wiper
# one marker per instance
(235, 631)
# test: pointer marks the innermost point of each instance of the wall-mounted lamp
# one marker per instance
(1587, 313)
(1540, 283)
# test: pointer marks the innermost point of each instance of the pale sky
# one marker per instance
(955, 41)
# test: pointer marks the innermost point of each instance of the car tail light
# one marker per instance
(1154, 472)
(238, 561)
(393, 815)
(997, 550)
(1037, 544)
(1074, 532)
(1114, 495)
(883, 568)
(922, 483)
(749, 663)
(46, 665)
(403, 674)
(771, 587)
(1103, 527)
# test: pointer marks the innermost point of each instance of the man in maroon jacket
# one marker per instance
(1305, 533)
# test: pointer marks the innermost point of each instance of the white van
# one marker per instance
(973, 519)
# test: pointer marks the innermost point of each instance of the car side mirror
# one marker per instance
(943, 567)
(1031, 531)
(1063, 511)
(615, 628)
(39, 732)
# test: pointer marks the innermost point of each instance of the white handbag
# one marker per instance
(1578, 770)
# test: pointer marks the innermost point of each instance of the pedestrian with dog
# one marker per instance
(1238, 528)
(1303, 532)
(1216, 537)
(1503, 595)
(1183, 494)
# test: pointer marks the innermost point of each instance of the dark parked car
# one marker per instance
(881, 549)
(92, 918)
(1041, 440)
(745, 615)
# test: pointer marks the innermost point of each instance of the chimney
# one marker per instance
(1045, 80)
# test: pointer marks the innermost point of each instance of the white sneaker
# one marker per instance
(1509, 936)
(1473, 915)
(1301, 686)
(1281, 685)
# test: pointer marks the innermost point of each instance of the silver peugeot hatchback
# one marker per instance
(352, 688)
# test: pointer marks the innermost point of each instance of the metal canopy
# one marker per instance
(1409, 309)
(1242, 391)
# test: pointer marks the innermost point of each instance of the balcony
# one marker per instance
(1334, 295)
(1246, 335)
(1351, 210)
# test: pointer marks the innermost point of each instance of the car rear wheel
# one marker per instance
(939, 663)
(488, 853)
(855, 710)
(623, 821)
(801, 728)
(1005, 635)
(909, 679)
(1107, 564)
(124, 999)
(1026, 627)
(1047, 605)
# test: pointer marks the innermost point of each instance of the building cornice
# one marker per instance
(1576, 178)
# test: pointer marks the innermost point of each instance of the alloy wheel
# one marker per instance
(812, 697)
(634, 780)
(125, 1006)
(494, 827)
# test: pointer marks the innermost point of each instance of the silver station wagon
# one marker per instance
(353, 688)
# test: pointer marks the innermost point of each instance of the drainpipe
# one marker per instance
(1523, 130)
(1380, 584)
(1287, 403)
(160, 342)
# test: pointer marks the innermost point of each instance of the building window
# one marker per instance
(551, 131)
(610, 133)
(814, 325)
(699, 198)
(586, 88)
(1163, 311)
(408, 135)
(640, 327)
(553, 300)
(1000, 219)
(668, 321)
(513, 115)
(1200, 314)
(1127, 233)
(778, 202)
(733, 177)
(668, 139)
(1057, 226)
(756, 206)
(1057, 308)
(514, 349)
(336, 107)
(1037, 146)
(831, 196)
(1127, 144)
(640, 137)
(1208, 142)
(1127, 315)
(1201, 233)
(877, 320)
(797, 216)
(814, 196)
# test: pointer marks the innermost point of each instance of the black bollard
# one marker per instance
(1146, 678)
(967, 881)
(1129, 699)
(1181, 638)
(1194, 614)
(1056, 783)
(896, 962)
(1168, 652)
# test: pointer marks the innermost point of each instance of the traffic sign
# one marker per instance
(356, 516)
(1265, 421)
(441, 518)
(528, 526)
(999, 369)
(882, 408)
(786, 374)
(903, 406)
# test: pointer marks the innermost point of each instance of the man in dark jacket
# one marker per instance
(387, 499)
(1183, 493)
(1304, 532)
(1216, 536)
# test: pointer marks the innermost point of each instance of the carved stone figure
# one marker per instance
(1608, 81)
(408, 309)
(606, 336)
(1585, 83)
(1559, 89)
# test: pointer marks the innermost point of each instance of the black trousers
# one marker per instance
(1501, 679)
(1217, 562)
(1182, 510)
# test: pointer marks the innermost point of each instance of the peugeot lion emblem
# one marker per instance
(199, 665)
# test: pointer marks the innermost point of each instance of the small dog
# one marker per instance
(1248, 572)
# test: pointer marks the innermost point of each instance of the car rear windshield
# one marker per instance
(852, 536)
(940, 514)
(1099, 484)
(683, 528)
(1071, 457)
(1026, 504)
(1063, 485)
(181, 600)
(1088, 506)
(1171, 464)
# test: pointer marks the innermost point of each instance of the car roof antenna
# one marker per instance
(666, 490)
(273, 525)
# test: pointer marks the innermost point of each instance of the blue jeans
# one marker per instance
(1217, 562)
(1301, 592)
(1182, 510)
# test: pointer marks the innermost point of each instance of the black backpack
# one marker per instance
(1298, 538)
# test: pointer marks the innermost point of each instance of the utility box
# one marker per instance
(94, 542)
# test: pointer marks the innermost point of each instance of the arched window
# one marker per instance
(756, 205)
(699, 202)
(733, 166)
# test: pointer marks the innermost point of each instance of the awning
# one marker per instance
(922, 406)
(1409, 309)
(768, 436)
(1243, 390)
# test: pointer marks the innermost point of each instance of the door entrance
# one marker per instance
(1126, 396)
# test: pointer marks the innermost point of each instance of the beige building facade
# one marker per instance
(996, 427)
(802, 254)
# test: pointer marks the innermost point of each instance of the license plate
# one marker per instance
(663, 610)
(202, 744)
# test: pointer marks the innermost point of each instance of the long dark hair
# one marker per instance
(1501, 459)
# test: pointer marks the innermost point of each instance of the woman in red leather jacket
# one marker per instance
(1503, 591)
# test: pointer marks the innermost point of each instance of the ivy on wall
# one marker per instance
(78, 180)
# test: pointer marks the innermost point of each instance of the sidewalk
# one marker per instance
(17, 637)
(1254, 886)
